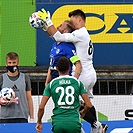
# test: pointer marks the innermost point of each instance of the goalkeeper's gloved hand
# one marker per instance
(42, 14)
(45, 27)
(45, 16)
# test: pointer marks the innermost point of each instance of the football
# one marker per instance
(35, 22)
(7, 94)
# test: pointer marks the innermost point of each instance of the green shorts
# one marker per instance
(66, 127)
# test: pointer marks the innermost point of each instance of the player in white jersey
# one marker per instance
(84, 47)
(84, 50)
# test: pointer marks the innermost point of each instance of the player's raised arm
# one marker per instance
(51, 30)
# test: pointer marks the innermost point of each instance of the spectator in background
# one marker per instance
(20, 83)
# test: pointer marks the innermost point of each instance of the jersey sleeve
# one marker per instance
(46, 91)
(28, 82)
(82, 89)
(66, 37)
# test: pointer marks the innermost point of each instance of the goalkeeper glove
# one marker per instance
(45, 16)
(45, 27)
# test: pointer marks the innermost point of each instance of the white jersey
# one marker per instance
(84, 48)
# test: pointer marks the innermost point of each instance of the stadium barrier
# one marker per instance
(114, 127)
(111, 80)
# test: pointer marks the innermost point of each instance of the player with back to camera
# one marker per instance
(65, 91)
(20, 83)
(63, 49)
(84, 48)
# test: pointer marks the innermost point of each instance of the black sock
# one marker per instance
(89, 116)
(93, 112)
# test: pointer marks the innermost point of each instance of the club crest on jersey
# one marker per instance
(57, 51)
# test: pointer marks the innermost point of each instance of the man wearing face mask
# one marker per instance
(20, 83)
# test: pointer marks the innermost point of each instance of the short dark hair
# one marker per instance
(77, 12)
(63, 64)
(70, 27)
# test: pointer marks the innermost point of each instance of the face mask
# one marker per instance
(12, 69)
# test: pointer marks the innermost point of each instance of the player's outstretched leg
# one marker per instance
(103, 127)
(97, 127)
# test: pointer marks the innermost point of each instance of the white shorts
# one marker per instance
(89, 79)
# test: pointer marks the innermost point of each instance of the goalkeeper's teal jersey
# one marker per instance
(65, 91)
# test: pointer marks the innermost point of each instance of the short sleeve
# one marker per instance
(82, 89)
(28, 82)
(46, 91)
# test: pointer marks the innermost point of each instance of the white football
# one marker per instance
(35, 22)
(7, 93)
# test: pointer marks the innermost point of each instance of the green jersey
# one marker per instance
(65, 91)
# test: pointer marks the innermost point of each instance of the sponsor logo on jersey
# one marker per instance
(15, 88)
(106, 23)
